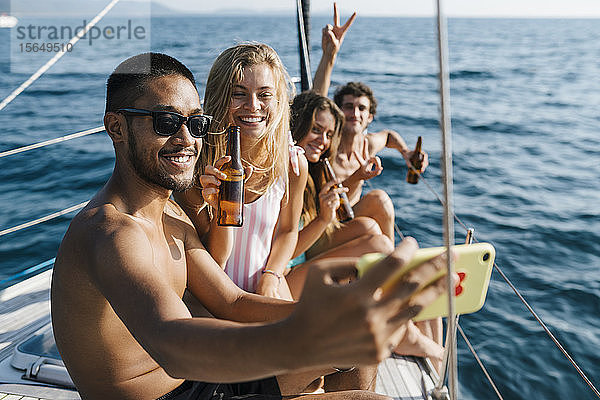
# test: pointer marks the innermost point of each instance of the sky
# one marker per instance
(457, 8)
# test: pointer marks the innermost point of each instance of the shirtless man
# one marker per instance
(119, 320)
(355, 161)
(358, 148)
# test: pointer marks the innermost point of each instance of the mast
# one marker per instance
(303, 12)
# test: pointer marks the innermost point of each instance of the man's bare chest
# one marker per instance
(344, 167)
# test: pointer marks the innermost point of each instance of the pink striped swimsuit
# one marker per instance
(252, 241)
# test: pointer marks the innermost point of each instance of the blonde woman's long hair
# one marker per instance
(304, 110)
(270, 153)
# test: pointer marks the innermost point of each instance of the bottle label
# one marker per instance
(233, 175)
(233, 178)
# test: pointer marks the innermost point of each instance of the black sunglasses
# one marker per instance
(167, 123)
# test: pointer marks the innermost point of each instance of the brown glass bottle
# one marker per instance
(231, 190)
(344, 211)
(417, 161)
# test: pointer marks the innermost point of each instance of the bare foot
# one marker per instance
(415, 343)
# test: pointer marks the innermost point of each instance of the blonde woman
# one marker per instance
(248, 86)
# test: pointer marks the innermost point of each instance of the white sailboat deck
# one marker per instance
(25, 308)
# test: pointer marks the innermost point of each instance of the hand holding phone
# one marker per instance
(474, 268)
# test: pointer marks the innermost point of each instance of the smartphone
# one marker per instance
(474, 268)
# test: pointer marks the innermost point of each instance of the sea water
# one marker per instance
(525, 101)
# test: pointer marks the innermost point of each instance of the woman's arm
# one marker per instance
(286, 234)
(218, 240)
(329, 201)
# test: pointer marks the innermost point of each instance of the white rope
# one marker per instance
(56, 57)
(43, 219)
(51, 141)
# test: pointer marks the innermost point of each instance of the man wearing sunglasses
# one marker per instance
(128, 257)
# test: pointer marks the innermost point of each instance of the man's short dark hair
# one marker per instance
(356, 89)
(128, 81)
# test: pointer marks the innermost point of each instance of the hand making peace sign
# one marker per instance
(333, 35)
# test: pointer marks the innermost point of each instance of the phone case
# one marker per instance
(474, 269)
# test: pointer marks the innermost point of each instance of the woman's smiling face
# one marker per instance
(318, 138)
(254, 100)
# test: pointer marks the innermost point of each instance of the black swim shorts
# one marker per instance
(263, 389)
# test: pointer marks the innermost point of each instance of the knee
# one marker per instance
(380, 202)
(366, 226)
(379, 244)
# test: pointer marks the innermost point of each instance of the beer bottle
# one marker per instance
(344, 212)
(417, 161)
(231, 190)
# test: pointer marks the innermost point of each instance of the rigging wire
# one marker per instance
(438, 392)
(56, 57)
(43, 219)
(520, 296)
(545, 327)
(51, 141)
(487, 375)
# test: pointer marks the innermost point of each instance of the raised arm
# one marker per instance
(392, 139)
(331, 42)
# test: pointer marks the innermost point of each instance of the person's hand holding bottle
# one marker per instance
(329, 201)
